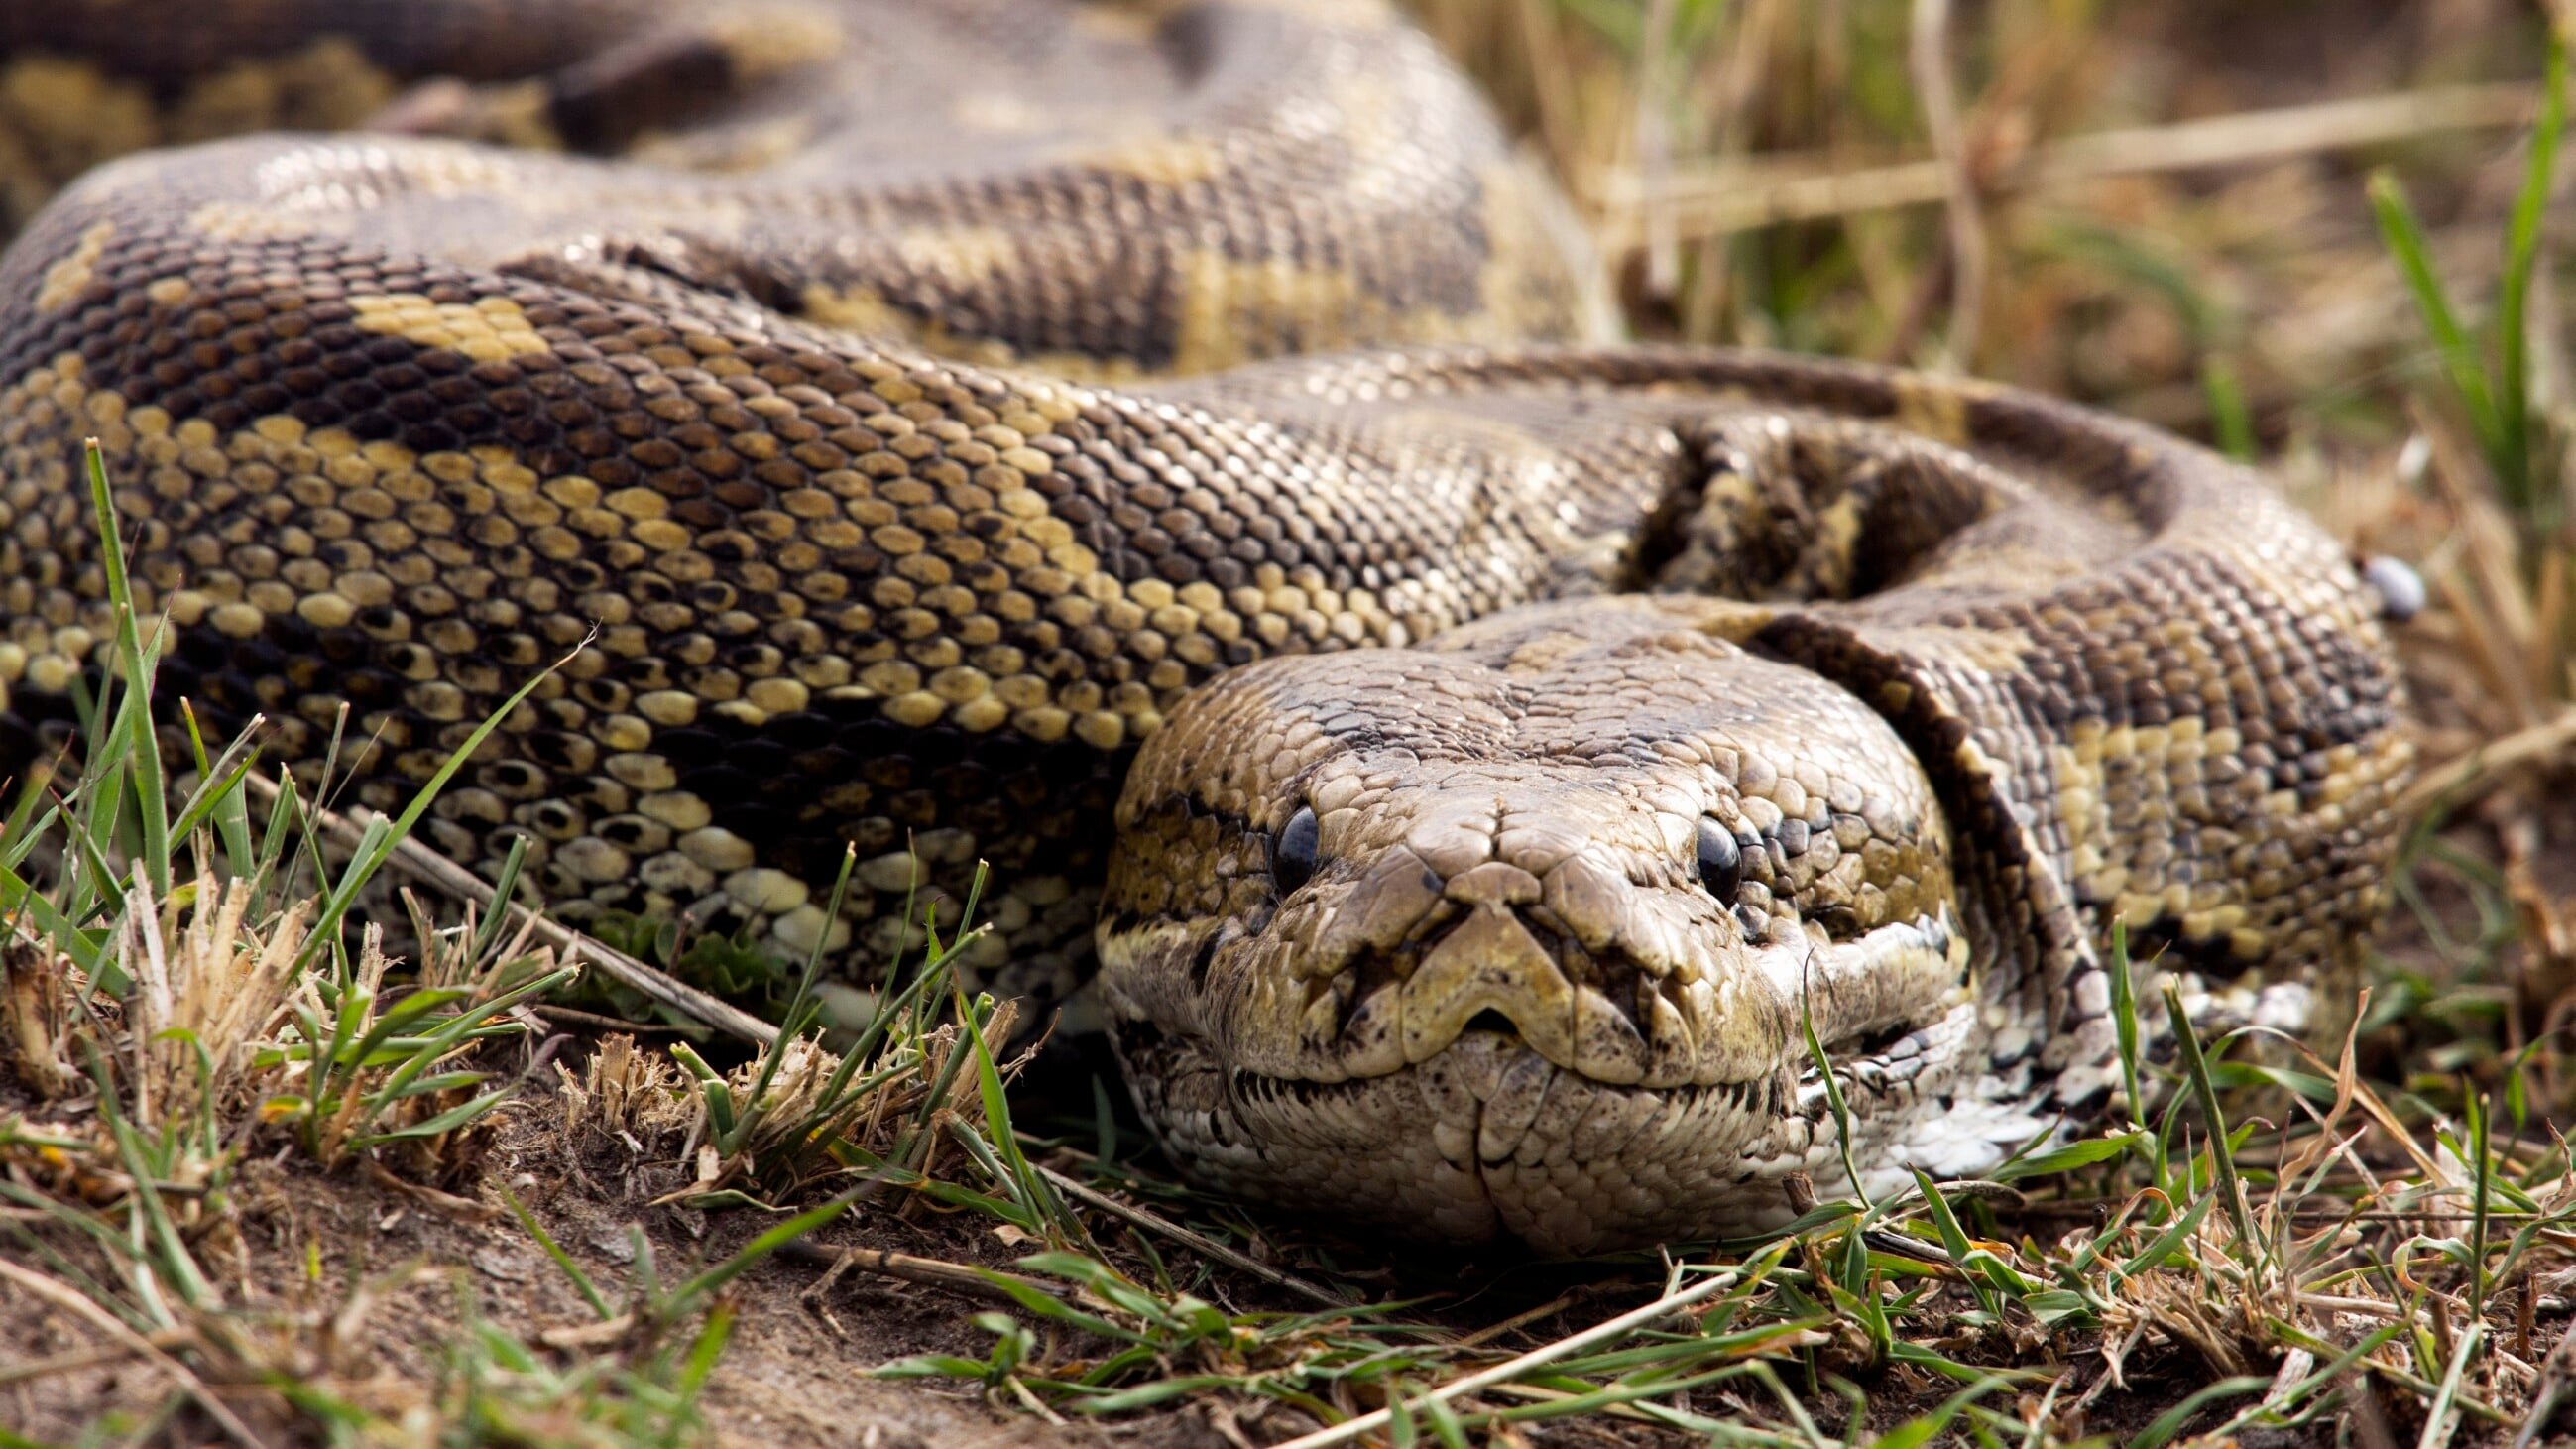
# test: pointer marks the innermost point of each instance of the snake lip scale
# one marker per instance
(1174, 454)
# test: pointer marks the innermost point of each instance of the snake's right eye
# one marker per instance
(1292, 851)
(1721, 861)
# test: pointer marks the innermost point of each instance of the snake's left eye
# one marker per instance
(1721, 861)
(1293, 850)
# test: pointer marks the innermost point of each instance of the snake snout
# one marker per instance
(1535, 948)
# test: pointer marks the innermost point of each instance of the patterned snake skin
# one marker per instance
(1523, 741)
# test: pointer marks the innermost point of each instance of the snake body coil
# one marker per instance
(1538, 739)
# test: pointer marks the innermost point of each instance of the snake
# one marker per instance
(1173, 461)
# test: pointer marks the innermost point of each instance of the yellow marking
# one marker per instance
(769, 39)
(1542, 277)
(964, 254)
(856, 309)
(1133, 23)
(237, 221)
(328, 85)
(1173, 161)
(1001, 114)
(83, 116)
(1936, 408)
(488, 330)
(747, 146)
(1232, 312)
(70, 272)
(864, 311)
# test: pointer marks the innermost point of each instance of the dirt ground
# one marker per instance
(372, 1285)
(427, 1264)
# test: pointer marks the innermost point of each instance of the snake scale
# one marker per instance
(1169, 451)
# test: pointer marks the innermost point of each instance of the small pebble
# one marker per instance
(2401, 589)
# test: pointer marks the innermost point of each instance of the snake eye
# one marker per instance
(1721, 863)
(1292, 851)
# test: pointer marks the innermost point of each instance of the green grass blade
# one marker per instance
(18, 895)
(800, 1008)
(447, 1121)
(453, 1032)
(2070, 1157)
(580, 1280)
(226, 807)
(706, 1283)
(2165, 1243)
(1833, 1100)
(379, 843)
(151, 797)
(172, 1257)
(2404, 234)
(2170, 1422)
(2482, 1169)
(487, 932)
(2124, 1018)
(2231, 421)
(26, 826)
(1033, 1190)
(2222, 1157)
(2513, 291)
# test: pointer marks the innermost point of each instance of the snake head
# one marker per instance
(1410, 935)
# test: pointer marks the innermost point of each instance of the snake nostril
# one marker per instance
(1491, 1020)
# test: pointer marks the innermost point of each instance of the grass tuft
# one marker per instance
(2264, 1246)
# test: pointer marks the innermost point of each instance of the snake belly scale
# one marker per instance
(1470, 766)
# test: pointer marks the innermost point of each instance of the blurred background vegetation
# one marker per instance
(1773, 172)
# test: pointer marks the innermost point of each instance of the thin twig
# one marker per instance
(2480, 768)
(421, 864)
(1929, 53)
(91, 1356)
(105, 1322)
(1655, 144)
(1541, 1313)
(1200, 1242)
(1567, 1347)
(602, 1021)
(928, 1272)
(1709, 201)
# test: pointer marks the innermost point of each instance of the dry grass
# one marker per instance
(2166, 208)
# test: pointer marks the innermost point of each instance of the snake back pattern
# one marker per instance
(1173, 452)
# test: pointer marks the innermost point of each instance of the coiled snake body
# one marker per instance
(1524, 743)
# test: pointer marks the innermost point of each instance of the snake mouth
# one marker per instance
(1712, 1009)
(1488, 1076)
(1490, 1140)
